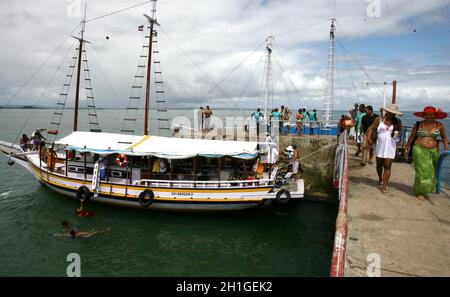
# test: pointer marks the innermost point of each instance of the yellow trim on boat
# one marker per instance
(44, 178)
(139, 142)
(130, 187)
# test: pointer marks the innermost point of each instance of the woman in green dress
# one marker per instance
(425, 149)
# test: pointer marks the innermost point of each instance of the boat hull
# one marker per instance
(202, 200)
(165, 198)
(166, 206)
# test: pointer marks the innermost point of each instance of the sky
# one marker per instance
(212, 52)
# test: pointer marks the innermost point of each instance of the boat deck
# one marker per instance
(411, 237)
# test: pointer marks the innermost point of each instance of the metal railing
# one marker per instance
(248, 130)
(439, 170)
(204, 184)
(341, 180)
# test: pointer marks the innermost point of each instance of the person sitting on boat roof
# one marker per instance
(36, 138)
(292, 156)
(25, 142)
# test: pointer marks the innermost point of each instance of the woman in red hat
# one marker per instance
(425, 150)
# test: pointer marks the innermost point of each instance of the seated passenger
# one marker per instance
(51, 159)
(43, 152)
(24, 142)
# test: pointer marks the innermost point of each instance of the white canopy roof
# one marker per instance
(161, 147)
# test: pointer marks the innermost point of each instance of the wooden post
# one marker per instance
(219, 168)
(67, 164)
(194, 166)
(131, 170)
(394, 91)
(80, 55)
(147, 87)
(107, 167)
(85, 165)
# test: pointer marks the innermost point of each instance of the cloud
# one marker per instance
(216, 36)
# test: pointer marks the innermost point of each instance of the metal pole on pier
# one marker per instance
(330, 77)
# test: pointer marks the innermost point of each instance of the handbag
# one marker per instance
(374, 136)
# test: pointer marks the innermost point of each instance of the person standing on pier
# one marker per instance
(275, 116)
(366, 122)
(257, 115)
(207, 113)
(200, 118)
(286, 115)
(359, 133)
(387, 131)
(353, 113)
(312, 121)
(299, 117)
(425, 149)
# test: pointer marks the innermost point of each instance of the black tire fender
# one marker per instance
(83, 194)
(281, 193)
(146, 198)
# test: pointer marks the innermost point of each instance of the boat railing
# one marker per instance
(247, 132)
(204, 184)
(341, 181)
(439, 170)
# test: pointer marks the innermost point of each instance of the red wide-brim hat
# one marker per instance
(439, 114)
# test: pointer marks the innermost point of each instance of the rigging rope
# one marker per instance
(116, 12)
(91, 55)
(193, 61)
(41, 66)
(289, 78)
(233, 70)
(45, 90)
(352, 54)
(301, 28)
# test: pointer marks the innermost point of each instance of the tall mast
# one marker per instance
(80, 52)
(268, 95)
(330, 77)
(152, 21)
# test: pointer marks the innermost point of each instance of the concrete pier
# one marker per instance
(411, 237)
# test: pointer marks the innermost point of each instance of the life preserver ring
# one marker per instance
(146, 198)
(70, 155)
(283, 196)
(121, 160)
(83, 194)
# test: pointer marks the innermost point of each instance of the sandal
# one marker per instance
(420, 197)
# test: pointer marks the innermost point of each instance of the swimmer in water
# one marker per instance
(81, 234)
(81, 212)
(75, 233)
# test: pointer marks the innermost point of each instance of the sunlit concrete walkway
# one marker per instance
(411, 237)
